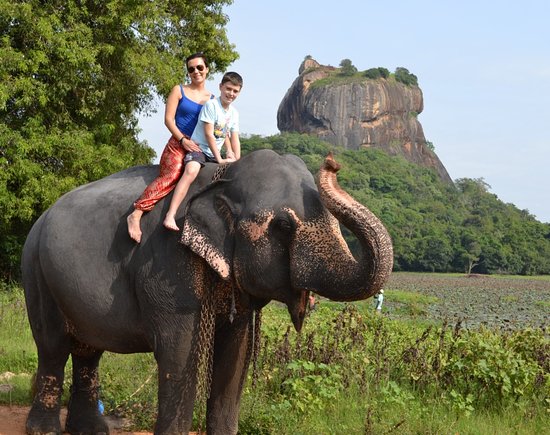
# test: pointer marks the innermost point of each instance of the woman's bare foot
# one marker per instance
(134, 229)
(170, 223)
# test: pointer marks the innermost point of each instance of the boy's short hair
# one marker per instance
(233, 77)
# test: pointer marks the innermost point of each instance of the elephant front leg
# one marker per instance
(176, 385)
(231, 359)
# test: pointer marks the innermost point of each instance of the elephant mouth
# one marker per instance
(297, 308)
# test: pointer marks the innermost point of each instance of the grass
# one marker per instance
(409, 303)
(543, 304)
(18, 358)
(348, 372)
(523, 277)
(386, 408)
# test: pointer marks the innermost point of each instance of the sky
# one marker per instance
(483, 67)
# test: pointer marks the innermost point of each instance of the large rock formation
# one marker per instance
(358, 113)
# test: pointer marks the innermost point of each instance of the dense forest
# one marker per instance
(435, 226)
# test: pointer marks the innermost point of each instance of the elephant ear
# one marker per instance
(208, 228)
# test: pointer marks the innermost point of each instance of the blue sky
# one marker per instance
(483, 67)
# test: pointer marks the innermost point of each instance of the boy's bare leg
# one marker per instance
(189, 174)
(134, 229)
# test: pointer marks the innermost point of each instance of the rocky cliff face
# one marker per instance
(358, 113)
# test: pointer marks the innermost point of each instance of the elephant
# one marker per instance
(260, 229)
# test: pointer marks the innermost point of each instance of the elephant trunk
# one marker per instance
(345, 278)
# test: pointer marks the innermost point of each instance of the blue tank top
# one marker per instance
(187, 114)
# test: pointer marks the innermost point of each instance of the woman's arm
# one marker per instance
(170, 120)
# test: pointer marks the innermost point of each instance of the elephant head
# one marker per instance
(267, 228)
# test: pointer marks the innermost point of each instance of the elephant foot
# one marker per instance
(89, 425)
(42, 421)
(83, 418)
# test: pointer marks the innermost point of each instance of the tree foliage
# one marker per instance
(404, 76)
(435, 226)
(376, 73)
(347, 68)
(74, 76)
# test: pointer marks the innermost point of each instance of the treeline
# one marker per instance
(348, 72)
(435, 226)
(401, 74)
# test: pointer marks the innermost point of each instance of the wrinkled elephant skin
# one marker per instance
(262, 232)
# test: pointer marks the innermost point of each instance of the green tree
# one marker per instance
(74, 76)
(471, 251)
(347, 68)
(375, 73)
(404, 76)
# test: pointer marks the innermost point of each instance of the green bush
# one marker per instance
(494, 370)
(404, 76)
(347, 68)
(376, 73)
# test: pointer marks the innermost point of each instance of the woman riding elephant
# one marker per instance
(181, 116)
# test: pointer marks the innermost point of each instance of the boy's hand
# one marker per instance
(227, 160)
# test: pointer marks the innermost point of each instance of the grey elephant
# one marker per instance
(261, 231)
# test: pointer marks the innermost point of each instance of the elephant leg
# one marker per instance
(176, 379)
(43, 417)
(53, 346)
(231, 359)
(83, 415)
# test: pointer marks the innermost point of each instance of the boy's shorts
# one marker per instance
(199, 157)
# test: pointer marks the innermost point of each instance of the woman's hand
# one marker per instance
(190, 146)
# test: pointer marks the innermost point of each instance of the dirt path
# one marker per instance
(12, 421)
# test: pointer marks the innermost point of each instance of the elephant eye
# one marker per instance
(283, 224)
(282, 228)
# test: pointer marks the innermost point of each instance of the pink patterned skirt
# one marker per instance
(171, 168)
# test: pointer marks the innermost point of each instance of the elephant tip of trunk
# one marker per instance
(331, 164)
(297, 309)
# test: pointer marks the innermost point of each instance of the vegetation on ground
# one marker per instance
(349, 371)
(494, 301)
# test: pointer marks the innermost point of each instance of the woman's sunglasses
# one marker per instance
(191, 69)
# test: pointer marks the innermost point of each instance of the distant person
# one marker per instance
(378, 300)
(181, 115)
(218, 125)
(312, 303)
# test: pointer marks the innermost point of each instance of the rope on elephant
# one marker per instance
(205, 352)
(205, 348)
(220, 170)
(217, 299)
